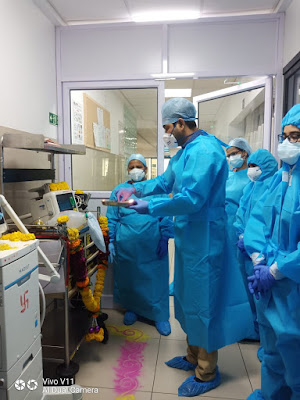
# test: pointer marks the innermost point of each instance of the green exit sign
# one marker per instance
(53, 119)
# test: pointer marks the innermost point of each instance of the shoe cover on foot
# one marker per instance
(171, 289)
(181, 363)
(260, 353)
(191, 388)
(256, 395)
(130, 318)
(164, 327)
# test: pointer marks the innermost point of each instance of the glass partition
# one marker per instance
(112, 124)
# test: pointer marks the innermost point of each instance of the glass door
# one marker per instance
(244, 110)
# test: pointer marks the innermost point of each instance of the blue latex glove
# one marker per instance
(266, 279)
(253, 286)
(262, 280)
(123, 194)
(140, 206)
(162, 248)
(112, 252)
(241, 246)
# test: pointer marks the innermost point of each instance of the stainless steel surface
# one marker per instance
(126, 203)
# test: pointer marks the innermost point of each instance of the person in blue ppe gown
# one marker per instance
(209, 311)
(237, 154)
(272, 238)
(139, 250)
(262, 165)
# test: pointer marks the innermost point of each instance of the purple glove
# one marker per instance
(266, 279)
(124, 193)
(262, 280)
(162, 248)
(241, 246)
(140, 206)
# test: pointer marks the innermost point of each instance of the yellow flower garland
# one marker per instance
(59, 186)
(62, 219)
(90, 300)
(17, 236)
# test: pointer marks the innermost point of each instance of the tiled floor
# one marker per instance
(238, 364)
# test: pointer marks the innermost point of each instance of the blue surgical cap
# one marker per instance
(176, 108)
(242, 144)
(292, 117)
(137, 156)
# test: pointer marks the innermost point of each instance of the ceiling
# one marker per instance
(76, 12)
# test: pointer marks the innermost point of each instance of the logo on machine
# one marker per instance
(25, 268)
(19, 384)
(24, 302)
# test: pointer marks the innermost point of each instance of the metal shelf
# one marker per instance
(30, 141)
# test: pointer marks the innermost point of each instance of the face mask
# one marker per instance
(236, 161)
(254, 173)
(289, 152)
(137, 174)
(170, 140)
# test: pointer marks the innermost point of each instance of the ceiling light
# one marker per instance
(170, 15)
(178, 92)
(166, 76)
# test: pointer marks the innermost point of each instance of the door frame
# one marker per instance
(266, 83)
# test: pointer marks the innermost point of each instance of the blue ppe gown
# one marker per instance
(273, 230)
(251, 194)
(209, 311)
(235, 185)
(141, 279)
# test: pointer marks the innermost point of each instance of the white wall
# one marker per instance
(292, 32)
(27, 68)
(237, 47)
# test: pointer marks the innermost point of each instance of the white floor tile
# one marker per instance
(115, 318)
(109, 394)
(164, 396)
(168, 379)
(252, 363)
(235, 382)
(97, 363)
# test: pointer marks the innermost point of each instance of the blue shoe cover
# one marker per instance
(256, 395)
(164, 327)
(180, 363)
(191, 388)
(171, 289)
(130, 318)
(260, 353)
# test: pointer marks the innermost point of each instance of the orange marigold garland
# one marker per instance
(90, 300)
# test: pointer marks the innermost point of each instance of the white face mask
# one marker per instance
(170, 140)
(136, 174)
(236, 161)
(254, 173)
(289, 152)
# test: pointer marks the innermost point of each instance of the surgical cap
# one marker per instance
(137, 156)
(266, 162)
(292, 117)
(176, 108)
(242, 144)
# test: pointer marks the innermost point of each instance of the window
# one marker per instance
(112, 124)
(291, 74)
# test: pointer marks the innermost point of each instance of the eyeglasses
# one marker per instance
(234, 153)
(293, 137)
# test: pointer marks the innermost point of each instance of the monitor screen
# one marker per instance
(65, 201)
